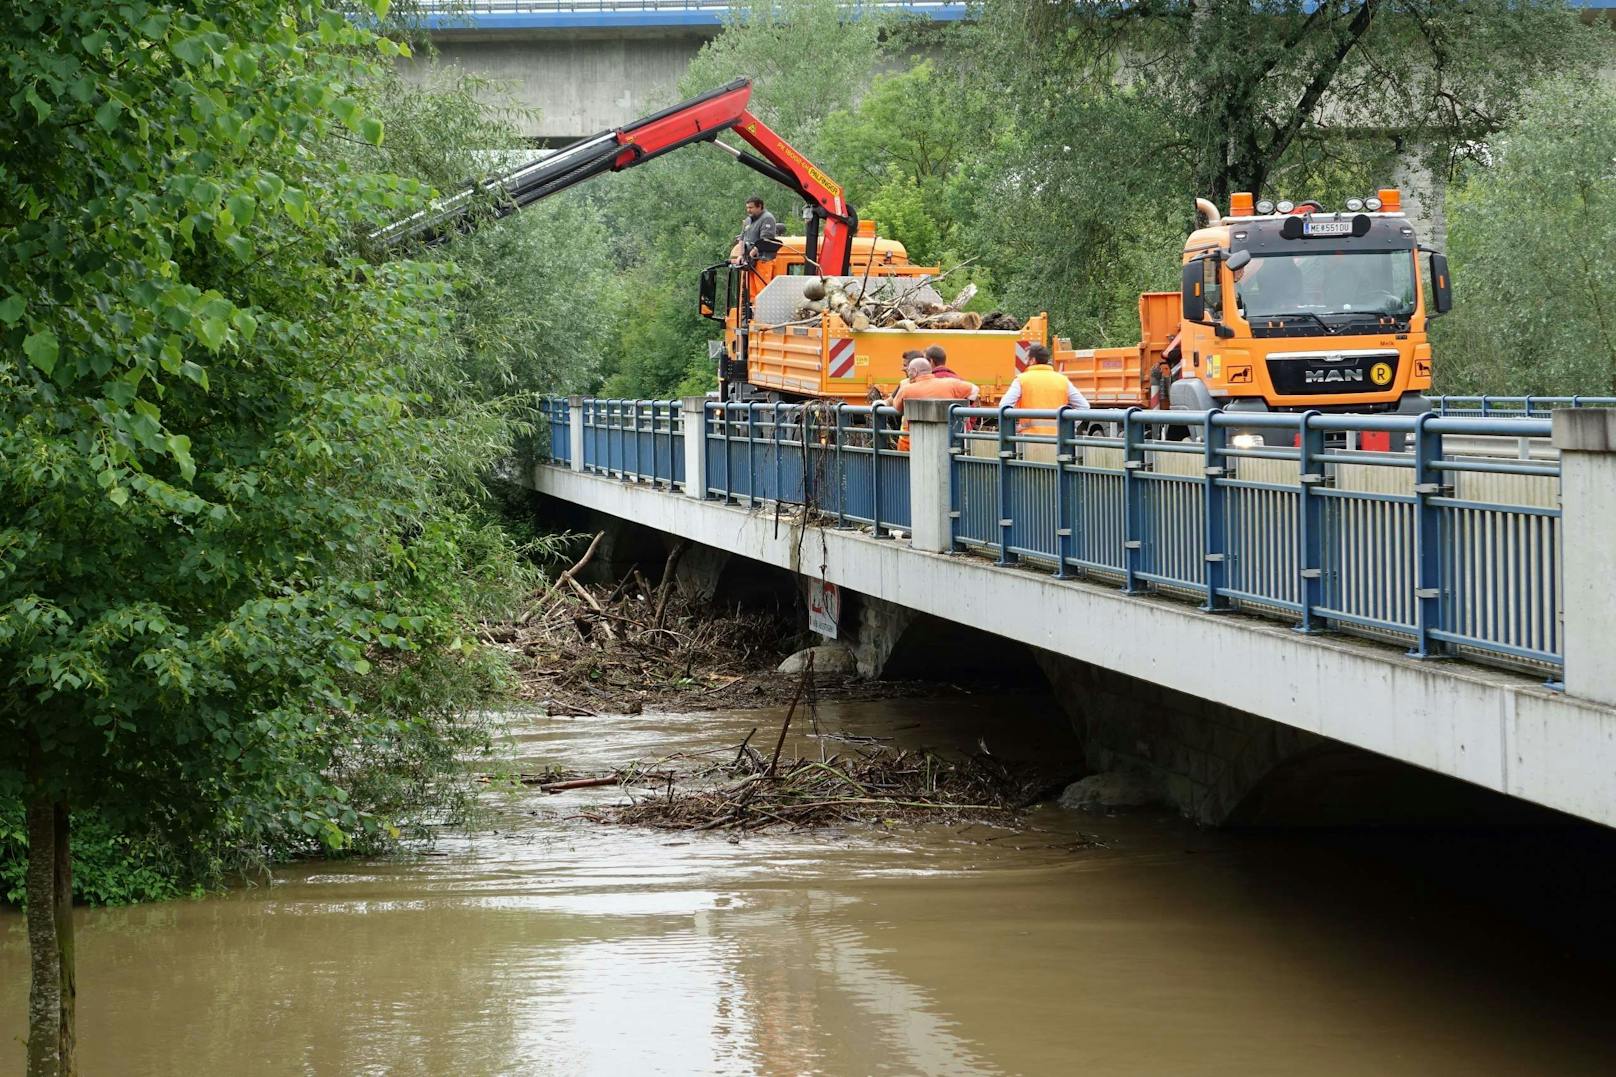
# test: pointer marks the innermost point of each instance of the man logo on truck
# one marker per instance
(1321, 377)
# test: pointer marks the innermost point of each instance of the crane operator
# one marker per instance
(759, 240)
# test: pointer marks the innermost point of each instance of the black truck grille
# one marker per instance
(1318, 373)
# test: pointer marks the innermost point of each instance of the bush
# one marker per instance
(1529, 236)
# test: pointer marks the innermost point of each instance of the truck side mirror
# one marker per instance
(707, 301)
(1193, 285)
(1441, 284)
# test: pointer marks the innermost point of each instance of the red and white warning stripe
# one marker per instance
(839, 362)
(1021, 354)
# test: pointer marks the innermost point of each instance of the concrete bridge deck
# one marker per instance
(1500, 729)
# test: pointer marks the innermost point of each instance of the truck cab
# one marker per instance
(1296, 308)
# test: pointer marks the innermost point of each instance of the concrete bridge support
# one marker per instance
(1212, 763)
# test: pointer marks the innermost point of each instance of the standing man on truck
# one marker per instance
(760, 234)
(1040, 387)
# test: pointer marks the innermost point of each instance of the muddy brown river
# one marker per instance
(1083, 944)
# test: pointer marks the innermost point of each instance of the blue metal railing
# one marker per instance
(843, 460)
(635, 439)
(1525, 407)
(1447, 542)
(1281, 515)
(556, 443)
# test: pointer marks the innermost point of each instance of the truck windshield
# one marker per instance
(1324, 283)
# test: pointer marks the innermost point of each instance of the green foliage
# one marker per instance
(902, 211)
(1253, 91)
(536, 307)
(111, 866)
(904, 152)
(1536, 225)
(232, 552)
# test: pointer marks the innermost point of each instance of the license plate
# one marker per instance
(1327, 228)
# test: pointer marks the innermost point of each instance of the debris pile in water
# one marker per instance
(585, 650)
(869, 783)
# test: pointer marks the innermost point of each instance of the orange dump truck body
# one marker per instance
(828, 359)
(1120, 377)
(825, 358)
(822, 356)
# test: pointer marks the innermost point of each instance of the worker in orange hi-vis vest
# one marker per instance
(923, 385)
(1040, 388)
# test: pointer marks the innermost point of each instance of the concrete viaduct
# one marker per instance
(586, 65)
(1260, 636)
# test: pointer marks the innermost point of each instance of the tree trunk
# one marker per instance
(62, 914)
(44, 951)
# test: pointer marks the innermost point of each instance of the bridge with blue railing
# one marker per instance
(611, 14)
(1420, 603)
(632, 14)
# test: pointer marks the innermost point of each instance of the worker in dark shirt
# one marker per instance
(939, 362)
(760, 235)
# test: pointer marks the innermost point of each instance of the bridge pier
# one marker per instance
(1220, 766)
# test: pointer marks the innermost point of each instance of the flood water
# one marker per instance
(1083, 945)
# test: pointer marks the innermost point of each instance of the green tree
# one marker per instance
(1249, 88)
(903, 152)
(536, 303)
(227, 575)
(1537, 222)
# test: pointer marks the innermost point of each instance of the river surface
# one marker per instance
(1084, 944)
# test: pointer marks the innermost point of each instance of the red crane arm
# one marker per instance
(700, 119)
(724, 109)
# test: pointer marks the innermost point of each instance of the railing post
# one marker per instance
(1428, 484)
(1065, 453)
(751, 453)
(1213, 495)
(875, 469)
(931, 527)
(1133, 502)
(575, 431)
(695, 423)
(1309, 520)
(775, 450)
(839, 467)
(1586, 438)
(1007, 452)
(639, 465)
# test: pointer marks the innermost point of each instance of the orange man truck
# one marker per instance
(1284, 308)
